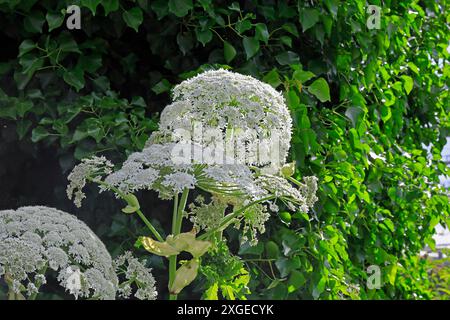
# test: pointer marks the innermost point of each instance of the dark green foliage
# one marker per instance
(364, 103)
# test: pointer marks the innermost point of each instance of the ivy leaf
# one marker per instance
(251, 46)
(287, 58)
(261, 32)
(67, 43)
(180, 8)
(34, 21)
(91, 4)
(23, 107)
(303, 76)
(354, 114)
(408, 83)
(204, 36)
(229, 52)
(160, 8)
(319, 288)
(286, 40)
(22, 127)
(26, 46)
(291, 28)
(243, 25)
(385, 112)
(272, 78)
(133, 18)
(75, 78)
(39, 133)
(308, 17)
(296, 281)
(110, 6)
(162, 86)
(320, 90)
(54, 20)
(185, 42)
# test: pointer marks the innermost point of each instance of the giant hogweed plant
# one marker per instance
(241, 185)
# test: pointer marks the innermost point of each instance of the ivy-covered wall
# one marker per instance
(365, 102)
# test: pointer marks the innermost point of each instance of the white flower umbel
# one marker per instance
(239, 106)
(136, 275)
(93, 168)
(34, 240)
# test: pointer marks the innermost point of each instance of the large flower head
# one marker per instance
(238, 107)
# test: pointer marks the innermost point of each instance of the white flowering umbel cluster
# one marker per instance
(37, 240)
(236, 107)
(135, 274)
(239, 106)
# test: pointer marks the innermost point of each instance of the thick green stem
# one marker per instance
(173, 259)
(181, 207)
(177, 221)
(11, 294)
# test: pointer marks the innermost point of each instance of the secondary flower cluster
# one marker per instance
(135, 273)
(36, 239)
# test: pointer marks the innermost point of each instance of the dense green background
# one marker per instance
(364, 103)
